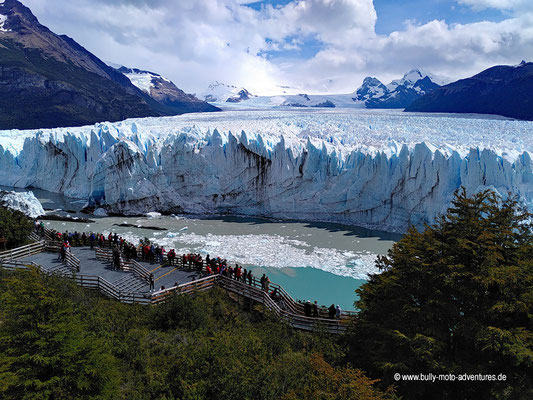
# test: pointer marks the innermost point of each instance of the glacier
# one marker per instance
(379, 169)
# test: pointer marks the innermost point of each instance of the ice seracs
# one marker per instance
(25, 202)
(384, 170)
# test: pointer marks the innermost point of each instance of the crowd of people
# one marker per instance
(150, 252)
(312, 310)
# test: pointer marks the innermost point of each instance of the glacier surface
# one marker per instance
(375, 168)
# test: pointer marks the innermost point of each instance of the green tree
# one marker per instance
(456, 298)
(14, 226)
(46, 350)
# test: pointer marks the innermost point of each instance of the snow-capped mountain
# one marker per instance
(400, 93)
(371, 88)
(218, 92)
(241, 95)
(49, 80)
(164, 91)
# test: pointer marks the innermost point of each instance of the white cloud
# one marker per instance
(194, 42)
(498, 4)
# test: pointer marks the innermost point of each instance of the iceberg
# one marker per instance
(25, 202)
(378, 169)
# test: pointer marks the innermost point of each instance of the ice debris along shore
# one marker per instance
(25, 202)
(383, 170)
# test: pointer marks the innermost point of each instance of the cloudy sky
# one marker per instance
(313, 45)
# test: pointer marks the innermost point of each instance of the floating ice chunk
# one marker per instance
(100, 212)
(153, 215)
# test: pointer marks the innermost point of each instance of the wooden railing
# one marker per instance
(14, 264)
(109, 289)
(34, 237)
(72, 261)
(126, 265)
(186, 288)
(24, 251)
(278, 307)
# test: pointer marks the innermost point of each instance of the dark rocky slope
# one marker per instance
(502, 90)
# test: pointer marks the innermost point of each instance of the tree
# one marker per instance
(14, 226)
(456, 298)
(46, 350)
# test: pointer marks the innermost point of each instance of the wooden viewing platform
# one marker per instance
(92, 269)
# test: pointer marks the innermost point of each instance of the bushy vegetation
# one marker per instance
(15, 227)
(58, 341)
(456, 298)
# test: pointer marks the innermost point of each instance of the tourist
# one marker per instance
(267, 284)
(62, 252)
(152, 282)
(315, 309)
(338, 312)
(332, 311)
(263, 279)
(116, 258)
(158, 254)
(250, 277)
(171, 256)
(307, 308)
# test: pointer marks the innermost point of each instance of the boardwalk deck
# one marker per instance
(94, 269)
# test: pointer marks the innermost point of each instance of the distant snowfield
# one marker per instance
(369, 131)
(377, 168)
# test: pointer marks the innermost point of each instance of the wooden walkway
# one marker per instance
(93, 269)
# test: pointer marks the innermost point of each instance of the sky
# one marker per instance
(312, 46)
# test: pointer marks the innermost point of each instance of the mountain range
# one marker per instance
(503, 90)
(49, 80)
(399, 93)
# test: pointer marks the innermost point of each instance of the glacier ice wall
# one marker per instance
(136, 166)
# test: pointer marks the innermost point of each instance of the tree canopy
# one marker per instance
(15, 226)
(456, 298)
